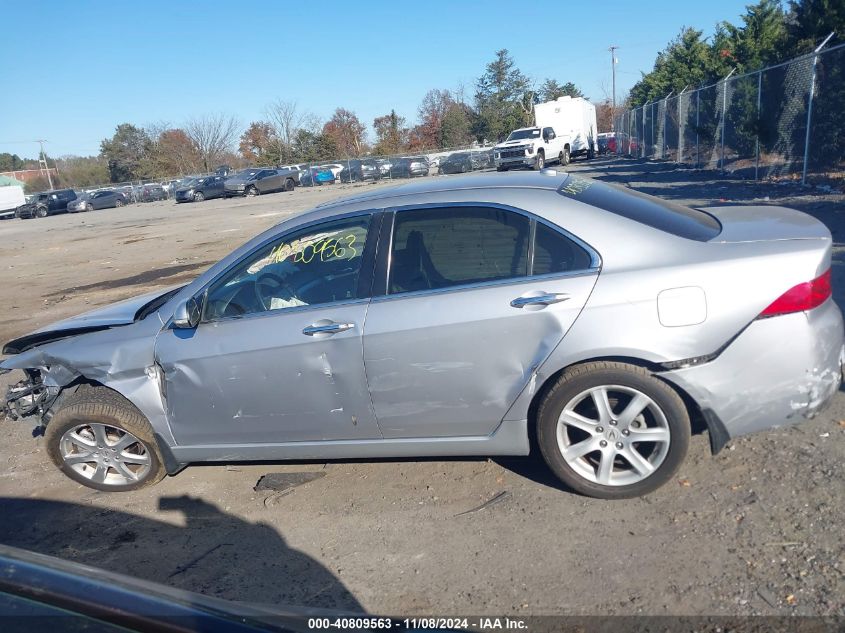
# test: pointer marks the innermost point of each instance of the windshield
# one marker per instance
(247, 174)
(517, 135)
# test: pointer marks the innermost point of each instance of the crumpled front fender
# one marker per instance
(121, 358)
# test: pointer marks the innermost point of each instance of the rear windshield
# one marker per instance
(666, 216)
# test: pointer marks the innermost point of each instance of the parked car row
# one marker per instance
(248, 182)
(40, 205)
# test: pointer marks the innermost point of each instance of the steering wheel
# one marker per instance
(273, 281)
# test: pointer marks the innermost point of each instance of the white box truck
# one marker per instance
(11, 197)
(563, 129)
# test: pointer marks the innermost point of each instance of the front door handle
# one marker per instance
(327, 328)
(539, 300)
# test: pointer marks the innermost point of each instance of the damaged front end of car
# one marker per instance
(28, 396)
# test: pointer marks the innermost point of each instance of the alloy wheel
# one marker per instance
(105, 454)
(613, 435)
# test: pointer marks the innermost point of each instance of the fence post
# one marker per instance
(810, 106)
(724, 117)
(757, 135)
(665, 109)
(642, 140)
(697, 113)
(681, 126)
(654, 103)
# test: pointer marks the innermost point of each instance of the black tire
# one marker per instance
(100, 405)
(572, 385)
(118, 203)
(567, 157)
(289, 184)
(501, 168)
(540, 161)
(590, 154)
(89, 207)
(252, 191)
(41, 212)
(199, 196)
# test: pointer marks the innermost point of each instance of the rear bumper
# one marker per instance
(779, 371)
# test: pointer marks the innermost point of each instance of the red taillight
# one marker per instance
(805, 296)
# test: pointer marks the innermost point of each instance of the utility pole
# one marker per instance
(42, 161)
(612, 50)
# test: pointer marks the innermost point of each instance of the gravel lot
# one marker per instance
(754, 530)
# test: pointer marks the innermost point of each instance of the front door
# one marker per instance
(277, 356)
(477, 298)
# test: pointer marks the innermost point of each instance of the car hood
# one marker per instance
(184, 190)
(113, 315)
(521, 141)
(236, 181)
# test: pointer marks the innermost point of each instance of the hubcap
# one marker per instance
(613, 435)
(105, 454)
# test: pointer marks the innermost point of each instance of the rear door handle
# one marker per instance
(327, 328)
(544, 299)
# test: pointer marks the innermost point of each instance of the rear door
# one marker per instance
(475, 299)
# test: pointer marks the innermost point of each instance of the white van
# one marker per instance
(11, 197)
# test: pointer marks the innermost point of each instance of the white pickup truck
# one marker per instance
(565, 127)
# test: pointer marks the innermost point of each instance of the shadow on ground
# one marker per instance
(242, 561)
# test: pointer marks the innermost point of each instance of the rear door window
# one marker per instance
(444, 247)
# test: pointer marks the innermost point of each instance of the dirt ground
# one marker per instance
(754, 530)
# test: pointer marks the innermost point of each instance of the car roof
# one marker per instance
(550, 179)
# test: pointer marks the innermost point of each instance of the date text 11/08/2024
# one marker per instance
(430, 623)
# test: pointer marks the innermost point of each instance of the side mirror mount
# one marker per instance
(187, 314)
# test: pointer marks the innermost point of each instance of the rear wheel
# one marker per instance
(612, 430)
(501, 168)
(99, 439)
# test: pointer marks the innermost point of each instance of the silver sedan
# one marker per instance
(455, 317)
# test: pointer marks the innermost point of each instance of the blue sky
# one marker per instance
(74, 70)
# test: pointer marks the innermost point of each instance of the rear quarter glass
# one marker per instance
(668, 217)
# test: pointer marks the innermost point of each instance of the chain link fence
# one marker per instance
(780, 122)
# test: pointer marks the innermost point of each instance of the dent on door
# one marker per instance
(269, 380)
(451, 364)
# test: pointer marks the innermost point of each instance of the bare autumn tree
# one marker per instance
(347, 132)
(287, 120)
(213, 135)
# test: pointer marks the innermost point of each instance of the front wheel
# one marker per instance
(289, 185)
(199, 196)
(501, 168)
(118, 203)
(252, 191)
(612, 430)
(41, 212)
(99, 439)
(89, 207)
(540, 161)
(566, 156)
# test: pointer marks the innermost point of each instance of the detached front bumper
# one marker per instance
(779, 371)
